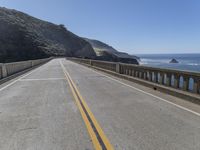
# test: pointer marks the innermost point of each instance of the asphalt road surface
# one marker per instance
(66, 106)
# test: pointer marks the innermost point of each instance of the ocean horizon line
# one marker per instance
(167, 53)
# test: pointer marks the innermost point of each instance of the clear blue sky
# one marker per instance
(134, 26)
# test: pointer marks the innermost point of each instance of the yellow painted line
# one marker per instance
(77, 96)
(89, 128)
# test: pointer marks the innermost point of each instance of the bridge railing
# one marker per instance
(183, 80)
(8, 69)
(104, 64)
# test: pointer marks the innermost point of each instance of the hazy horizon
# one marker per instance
(167, 53)
(135, 27)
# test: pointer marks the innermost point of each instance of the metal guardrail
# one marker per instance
(183, 80)
(8, 69)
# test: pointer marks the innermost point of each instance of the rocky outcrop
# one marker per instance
(174, 61)
(23, 37)
(108, 53)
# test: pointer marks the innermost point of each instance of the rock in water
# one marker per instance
(174, 61)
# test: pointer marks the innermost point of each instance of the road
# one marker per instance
(66, 106)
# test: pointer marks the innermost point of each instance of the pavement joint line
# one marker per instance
(20, 77)
(42, 79)
(96, 133)
(147, 93)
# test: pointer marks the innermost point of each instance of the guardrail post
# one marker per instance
(117, 67)
(150, 76)
(4, 71)
(132, 73)
(1, 76)
(126, 71)
(185, 83)
(136, 73)
(176, 81)
(196, 86)
(90, 62)
(129, 72)
(142, 75)
(168, 80)
(155, 77)
(32, 64)
(161, 78)
(145, 75)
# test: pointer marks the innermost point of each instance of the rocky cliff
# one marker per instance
(108, 53)
(23, 37)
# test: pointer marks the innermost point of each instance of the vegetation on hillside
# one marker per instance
(107, 52)
(23, 37)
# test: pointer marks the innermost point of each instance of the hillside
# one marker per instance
(23, 37)
(99, 46)
(106, 52)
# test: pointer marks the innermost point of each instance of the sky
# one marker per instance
(133, 26)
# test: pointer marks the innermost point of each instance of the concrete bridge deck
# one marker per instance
(66, 106)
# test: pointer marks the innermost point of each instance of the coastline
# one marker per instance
(187, 62)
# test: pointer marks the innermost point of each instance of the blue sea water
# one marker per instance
(188, 62)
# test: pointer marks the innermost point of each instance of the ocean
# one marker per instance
(187, 62)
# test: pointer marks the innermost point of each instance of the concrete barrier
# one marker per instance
(183, 84)
(8, 69)
(0, 71)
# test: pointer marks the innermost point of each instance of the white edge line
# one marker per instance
(147, 93)
(42, 79)
(20, 77)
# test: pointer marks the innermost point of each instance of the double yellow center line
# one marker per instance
(99, 139)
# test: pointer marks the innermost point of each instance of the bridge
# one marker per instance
(72, 104)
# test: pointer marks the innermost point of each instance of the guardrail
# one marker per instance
(183, 80)
(8, 69)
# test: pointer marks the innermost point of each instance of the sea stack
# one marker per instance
(174, 61)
